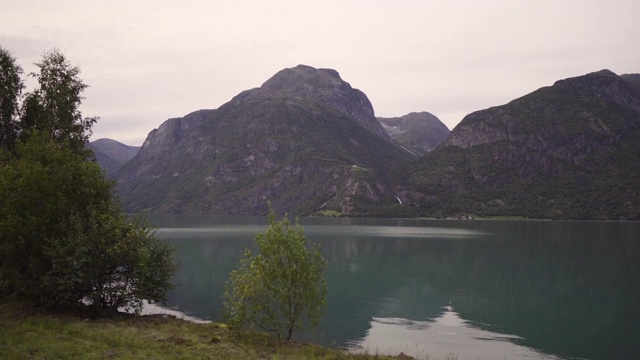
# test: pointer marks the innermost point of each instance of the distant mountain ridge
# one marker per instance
(305, 141)
(565, 151)
(308, 142)
(420, 132)
(111, 154)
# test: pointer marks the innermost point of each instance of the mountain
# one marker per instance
(633, 80)
(304, 141)
(111, 155)
(567, 151)
(420, 132)
(326, 86)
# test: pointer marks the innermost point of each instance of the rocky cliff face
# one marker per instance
(155, 151)
(565, 151)
(567, 104)
(325, 86)
(111, 155)
(420, 132)
(305, 141)
(633, 80)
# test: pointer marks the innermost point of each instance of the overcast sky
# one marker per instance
(147, 61)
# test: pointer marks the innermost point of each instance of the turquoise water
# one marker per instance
(470, 289)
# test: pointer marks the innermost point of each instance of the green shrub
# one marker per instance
(283, 288)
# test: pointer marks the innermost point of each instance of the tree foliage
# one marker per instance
(53, 107)
(64, 238)
(11, 86)
(281, 289)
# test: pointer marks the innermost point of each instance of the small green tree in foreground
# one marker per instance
(283, 288)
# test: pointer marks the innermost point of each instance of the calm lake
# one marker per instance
(469, 289)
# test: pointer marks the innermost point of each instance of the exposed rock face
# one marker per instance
(572, 101)
(111, 155)
(326, 86)
(304, 141)
(307, 141)
(633, 80)
(159, 142)
(565, 151)
(420, 132)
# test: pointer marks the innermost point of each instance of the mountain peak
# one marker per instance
(603, 85)
(294, 77)
(325, 86)
(418, 131)
(305, 140)
(111, 154)
(564, 151)
(311, 70)
(550, 107)
(597, 77)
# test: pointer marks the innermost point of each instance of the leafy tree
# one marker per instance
(283, 288)
(65, 239)
(53, 107)
(11, 87)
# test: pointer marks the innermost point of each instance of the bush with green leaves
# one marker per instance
(281, 289)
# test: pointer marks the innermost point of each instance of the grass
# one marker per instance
(27, 333)
(328, 213)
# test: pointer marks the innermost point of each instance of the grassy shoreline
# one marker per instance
(27, 333)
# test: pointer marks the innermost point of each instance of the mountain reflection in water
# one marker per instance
(447, 335)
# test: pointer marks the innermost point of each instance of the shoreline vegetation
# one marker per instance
(34, 333)
(337, 214)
